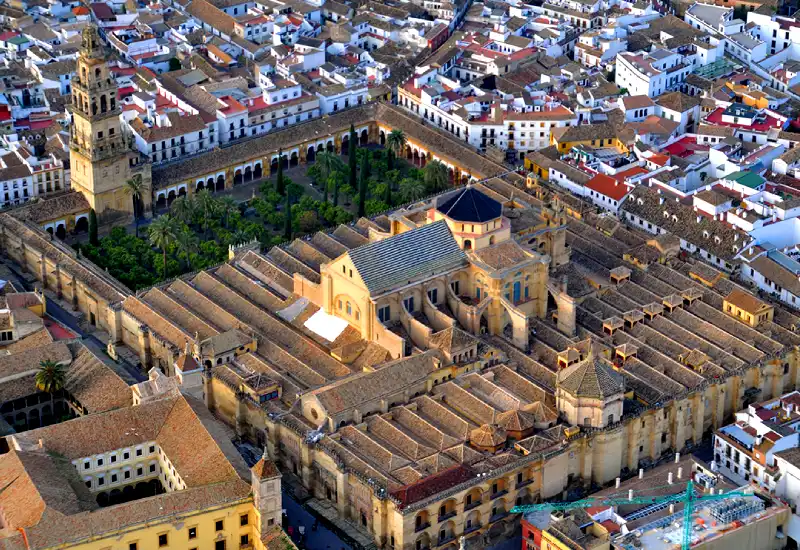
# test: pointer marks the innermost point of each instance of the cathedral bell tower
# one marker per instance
(102, 155)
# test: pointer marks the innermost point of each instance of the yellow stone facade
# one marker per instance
(480, 504)
(102, 157)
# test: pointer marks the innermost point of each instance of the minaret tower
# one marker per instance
(102, 157)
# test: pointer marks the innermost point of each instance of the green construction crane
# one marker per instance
(688, 498)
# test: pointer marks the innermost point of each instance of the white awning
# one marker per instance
(327, 326)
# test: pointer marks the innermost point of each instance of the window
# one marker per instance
(126, 455)
(113, 478)
(384, 314)
(133, 546)
(162, 540)
(244, 519)
(113, 458)
(139, 471)
(219, 545)
(126, 474)
(152, 449)
(99, 461)
(219, 525)
(244, 540)
(152, 468)
(192, 533)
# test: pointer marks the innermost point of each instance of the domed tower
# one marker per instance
(475, 220)
(590, 392)
(102, 158)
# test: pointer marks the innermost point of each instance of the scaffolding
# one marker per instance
(728, 511)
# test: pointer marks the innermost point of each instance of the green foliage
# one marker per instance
(281, 184)
(93, 227)
(363, 184)
(287, 224)
(374, 207)
(174, 64)
(436, 176)
(50, 377)
(352, 159)
(196, 235)
(396, 141)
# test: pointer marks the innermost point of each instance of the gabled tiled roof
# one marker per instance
(395, 261)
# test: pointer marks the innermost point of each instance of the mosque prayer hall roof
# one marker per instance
(470, 205)
(395, 261)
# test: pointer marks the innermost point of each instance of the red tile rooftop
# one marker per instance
(608, 186)
(659, 160)
(122, 71)
(610, 526)
(629, 173)
(792, 399)
(8, 35)
(125, 91)
(233, 106)
(144, 55)
(765, 414)
(685, 147)
(716, 118)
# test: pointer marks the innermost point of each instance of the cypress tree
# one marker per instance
(93, 240)
(352, 160)
(280, 186)
(387, 195)
(287, 218)
(335, 191)
(362, 184)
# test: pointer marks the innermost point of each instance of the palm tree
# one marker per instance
(436, 176)
(50, 378)
(411, 189)
(397, 141)
(183, 209)
(206, 204)
(186, 243)
(134, 188)
(227, 206)
(163, 235)
(240, 236)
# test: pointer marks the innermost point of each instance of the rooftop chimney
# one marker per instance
(669, 478)
(680, 473)
(641, 473)
(617, 484)
(677, 457)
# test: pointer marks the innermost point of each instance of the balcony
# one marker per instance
(498, 516)
(422, 526)
(499, 494)
(471, 505)
(447, 516)
(442, 541)
(524, 483)
(471, 528)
